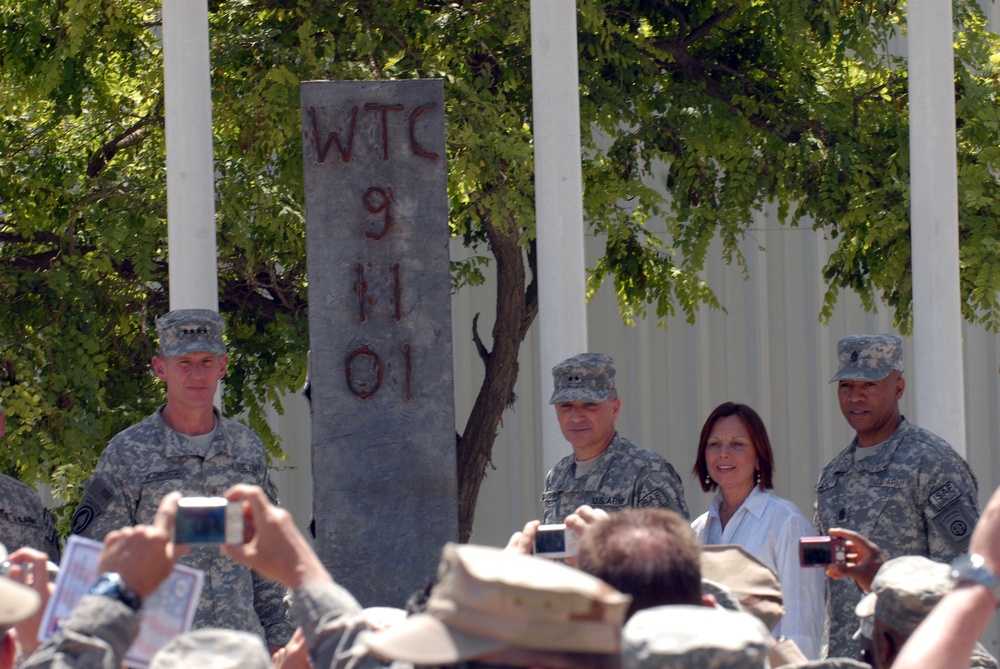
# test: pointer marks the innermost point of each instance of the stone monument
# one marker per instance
(381, 379)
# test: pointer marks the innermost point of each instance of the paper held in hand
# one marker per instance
(165, 613)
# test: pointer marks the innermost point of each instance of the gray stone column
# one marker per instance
(383, 416)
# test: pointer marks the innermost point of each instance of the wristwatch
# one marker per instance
(971, 568)
(110, 584)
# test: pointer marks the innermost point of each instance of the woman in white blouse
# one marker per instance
(735, 458)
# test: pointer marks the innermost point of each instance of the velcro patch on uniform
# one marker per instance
(152, 477)
(956, 523)
(96, 497)
(944, 496)
(247, 467)
(654, 498)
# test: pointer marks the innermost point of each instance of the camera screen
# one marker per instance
(200, 525)
(550, 542)
(816, 554)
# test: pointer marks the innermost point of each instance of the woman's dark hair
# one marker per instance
(758, 436)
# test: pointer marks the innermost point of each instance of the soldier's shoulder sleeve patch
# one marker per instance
(944, 496)
(96, 497)
(654, 498)
(955, 523)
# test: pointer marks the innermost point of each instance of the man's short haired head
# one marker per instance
(694, 637)
(651, 554)
(587, 377)
(758, 435)
(487, 602)
(868, 357)
(904, 591)
(755, 585)
(185, 331)
(213, 649)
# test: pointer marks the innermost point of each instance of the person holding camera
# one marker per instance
(188, 446)
(605, 470)
(902, 487)
(735, 459)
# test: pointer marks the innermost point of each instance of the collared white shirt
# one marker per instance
(769, 528)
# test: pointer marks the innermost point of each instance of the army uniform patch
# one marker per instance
(96, 497)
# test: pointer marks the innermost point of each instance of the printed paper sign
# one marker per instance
(165, 613)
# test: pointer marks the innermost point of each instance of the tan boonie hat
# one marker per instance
(756, 587)
(17, 601)
(868, 357)
(213, 649)
(185, 331)
(904, 591)
(587, 377)
(486, 600)
(694, 637)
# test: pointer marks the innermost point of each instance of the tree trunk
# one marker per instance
(516, 308)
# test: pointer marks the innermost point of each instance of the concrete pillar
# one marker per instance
(938, 380)
(194, 281)
(562, 316)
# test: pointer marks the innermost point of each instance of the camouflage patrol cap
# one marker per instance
(213, 649)
(191, 331)
(694, 637)
(868, 357)
(828, 663)
(904, 591)
(587, 377)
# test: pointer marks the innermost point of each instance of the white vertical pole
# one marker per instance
(562, 314)
(938, 380)
(194, 281)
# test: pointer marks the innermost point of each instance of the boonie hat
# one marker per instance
(213, 649)
(756, 587)
(486, 600)
(694, 637)
(868, 357)
(904, 591)
(587, 377)
(191, 331)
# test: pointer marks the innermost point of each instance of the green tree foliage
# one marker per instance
(695, 113)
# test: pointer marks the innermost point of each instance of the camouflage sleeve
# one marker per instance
(106, 504)
(951, 509)
(269, 600)
(333, 622)
(272, 608)
(660, 486)
(51, 537)
(97, 635)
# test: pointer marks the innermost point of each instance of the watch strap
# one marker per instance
(110, 584)
(971, 568)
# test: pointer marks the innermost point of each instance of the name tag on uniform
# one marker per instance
(888, 482)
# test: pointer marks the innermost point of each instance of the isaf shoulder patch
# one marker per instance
(654, 498)
(944, 496)
(96, 497)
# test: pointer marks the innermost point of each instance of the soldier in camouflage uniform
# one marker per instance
(188, 446)
(903, 592)
(899, 485)
(605, 471)
(24, 520)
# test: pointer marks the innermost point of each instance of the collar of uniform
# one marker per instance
(603, 458)
(755, 503)
(880, 460)
(175, 445)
